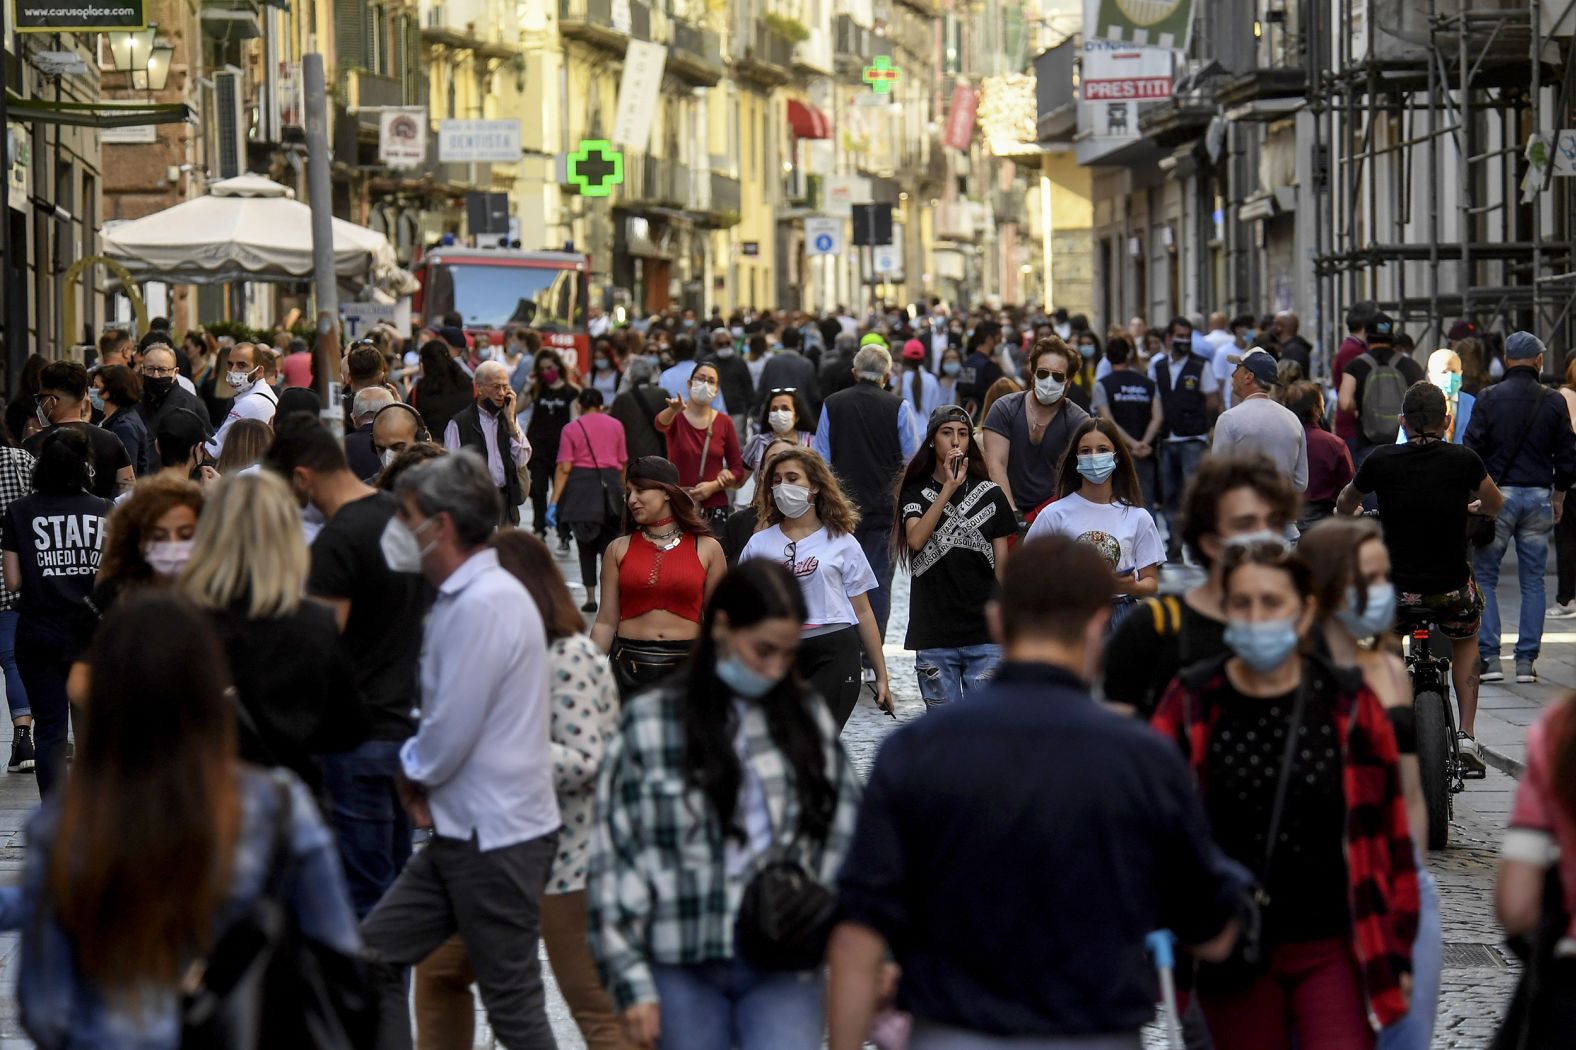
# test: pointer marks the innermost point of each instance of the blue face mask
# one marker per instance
(97, 399)
(1263, 646)
(1097, 466)
(951, 368)
(1086, 350)
(1376, 615)
(743, 680)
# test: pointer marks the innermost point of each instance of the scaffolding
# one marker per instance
(1423, 114)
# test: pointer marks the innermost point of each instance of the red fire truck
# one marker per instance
(497, 290)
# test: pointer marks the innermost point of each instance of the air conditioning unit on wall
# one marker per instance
(229, 125)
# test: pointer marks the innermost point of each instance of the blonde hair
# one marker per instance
(249, 550)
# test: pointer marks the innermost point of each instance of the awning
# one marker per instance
(808, 122)
(94, 114)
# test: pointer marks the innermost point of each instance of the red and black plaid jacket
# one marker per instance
(1380, 863)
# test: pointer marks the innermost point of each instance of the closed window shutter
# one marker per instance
(350, 34)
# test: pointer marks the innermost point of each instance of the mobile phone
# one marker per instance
(957, 467)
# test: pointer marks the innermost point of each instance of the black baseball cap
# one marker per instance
(653, 468)
(1380, 329)
(181, 427)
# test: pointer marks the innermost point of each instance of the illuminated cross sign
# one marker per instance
(882, 76)
(595, 168)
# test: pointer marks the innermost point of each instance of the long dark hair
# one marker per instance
(65, 463)
(758, 589)
(148, 821)
(548, 356)
(439, 373)
(920, 469)
(1124, 483)
(803, 419)
(528, 560)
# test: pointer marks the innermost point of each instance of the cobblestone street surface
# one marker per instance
(1478, 976)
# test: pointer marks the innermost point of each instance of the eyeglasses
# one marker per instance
(1046, 373)
(791, 554)
(153, 372)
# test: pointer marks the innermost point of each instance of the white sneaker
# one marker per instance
(1467, 751)
(1560, 612)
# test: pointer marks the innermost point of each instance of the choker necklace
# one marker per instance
(658, 523)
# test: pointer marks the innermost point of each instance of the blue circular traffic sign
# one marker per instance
(824, 242)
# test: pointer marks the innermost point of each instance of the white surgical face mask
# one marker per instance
(402, 549)
(168, 557)
(1048, 391)
(389, 456)
(792, 500)
(781, 420)
(702, 393)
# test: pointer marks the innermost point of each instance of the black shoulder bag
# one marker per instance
(1249, 959)
(612, 501)
(266, 985)
(785, 918)
(1480, 527)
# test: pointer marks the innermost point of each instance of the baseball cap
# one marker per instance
(182, 426)
(873, 339)
(1381, 330)
(1462, 329)
(1523, 346)
(653, 468)
(453, 336)
(1260, 364)
(944, 415)
(913, 350)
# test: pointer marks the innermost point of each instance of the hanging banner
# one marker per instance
(82, 16)
(1146, 23)
(960, 117)
(402, 137)
(638, 92)
(1137, 74)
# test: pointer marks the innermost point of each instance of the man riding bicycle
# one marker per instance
(1425, 489)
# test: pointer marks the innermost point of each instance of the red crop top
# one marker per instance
(650, 578)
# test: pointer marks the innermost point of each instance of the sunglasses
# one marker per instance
(791, 553)
(1045, 373)
(774, 391)
(1256, 552)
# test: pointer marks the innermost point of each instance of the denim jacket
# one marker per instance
(60, 1008)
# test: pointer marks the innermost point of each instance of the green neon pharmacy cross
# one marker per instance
(883, 75)
(595, 168)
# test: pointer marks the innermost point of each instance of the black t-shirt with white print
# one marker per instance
(57, 540)
(955, 572)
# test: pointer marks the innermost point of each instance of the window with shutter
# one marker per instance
(350, 34)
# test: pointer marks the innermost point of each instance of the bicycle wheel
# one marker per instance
(1433, 760)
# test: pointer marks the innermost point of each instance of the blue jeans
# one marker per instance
(15, 691)
(949, 675)
(368, 821)
(1415, 1031)
(1528, 518)
(730, 1005)
(877, 545)
(1179, 461)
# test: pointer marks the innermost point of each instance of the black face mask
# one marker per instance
(487, 404)
(156, 389)
(1179, 347)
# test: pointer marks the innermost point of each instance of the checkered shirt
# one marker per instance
(659, 890)
(16, 481)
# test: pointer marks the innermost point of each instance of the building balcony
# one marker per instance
(231, 20)
(655, 183)
(365, 94)
(449, 28)
(1263, 94)
(854, 45)
(813, 55)
(695, 55)
(764, 56)
(723, 203)
(1176, 121)
(1056, 97)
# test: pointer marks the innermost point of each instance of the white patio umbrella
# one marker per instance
(248, 228)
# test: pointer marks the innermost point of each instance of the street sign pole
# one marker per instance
(326, 285)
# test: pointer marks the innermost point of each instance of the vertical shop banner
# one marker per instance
(638, 92)
(1146, 23)
(960, 117)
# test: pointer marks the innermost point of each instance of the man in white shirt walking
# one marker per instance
(1222, 347)
(478, 771)
(254, 398)
(1260, 424)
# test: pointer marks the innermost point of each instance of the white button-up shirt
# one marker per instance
(482, 750)
(258, 401)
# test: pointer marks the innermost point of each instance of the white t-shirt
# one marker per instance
(830, 569)
(1126, 535)
(259, 402)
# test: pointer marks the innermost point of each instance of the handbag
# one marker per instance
(1249, 959)
(612, 502)
(785, 918)
(1542, 1013)
(266, 985)
(1481, 527)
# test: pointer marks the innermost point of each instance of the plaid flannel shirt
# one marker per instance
(1380, 861)
(16, 481)
(659, 891)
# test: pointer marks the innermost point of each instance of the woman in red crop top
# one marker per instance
(655, 578)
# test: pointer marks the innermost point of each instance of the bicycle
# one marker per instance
(1438, 759)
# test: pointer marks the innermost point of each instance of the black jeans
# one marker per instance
(44, 662)
(1565, 556)
(590, 550)
(493, 899)
(830, 663)
(541, 491)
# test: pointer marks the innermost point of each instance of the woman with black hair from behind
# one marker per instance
(951, 533)
(52, 541)
(443, 388)
(732, 763)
